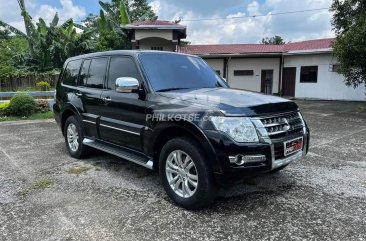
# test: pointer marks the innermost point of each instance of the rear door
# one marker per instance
(123, 115)
(91, 81)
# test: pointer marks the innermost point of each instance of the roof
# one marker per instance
(232, 49)
(154, 24)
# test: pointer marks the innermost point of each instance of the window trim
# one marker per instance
(312, 81)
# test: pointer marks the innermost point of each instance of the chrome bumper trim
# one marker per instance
(284, 161)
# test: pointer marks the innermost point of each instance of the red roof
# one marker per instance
(309, 44)
(154, 22)
(256, 48)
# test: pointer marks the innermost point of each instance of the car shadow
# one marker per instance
(249, 192)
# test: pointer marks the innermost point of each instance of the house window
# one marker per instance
(334, 67)
(157, 48)
(309, 74)
(243, 72)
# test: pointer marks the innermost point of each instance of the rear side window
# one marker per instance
(96, 74)
(84, 72)
(71, 73)
(121, 67)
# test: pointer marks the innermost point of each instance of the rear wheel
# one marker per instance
(74, 138)
(185, 174)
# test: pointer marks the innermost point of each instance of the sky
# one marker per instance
(246, 29)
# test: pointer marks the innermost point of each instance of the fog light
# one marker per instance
(242, 159)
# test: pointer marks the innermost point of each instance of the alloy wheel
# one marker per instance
(181, 174)
(73, 137)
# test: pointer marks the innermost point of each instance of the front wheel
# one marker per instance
(185, 174)
(74, 138)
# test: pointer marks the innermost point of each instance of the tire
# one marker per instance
(74, 138)
(277, 169)
(187, 196)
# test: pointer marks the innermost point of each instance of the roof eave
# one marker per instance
(310, 51)
(164, 27)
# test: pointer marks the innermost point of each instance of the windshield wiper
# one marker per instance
(170, 89)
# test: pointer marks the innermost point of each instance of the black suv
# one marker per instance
(172, 113)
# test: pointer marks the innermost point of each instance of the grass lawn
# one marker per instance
(36, 116)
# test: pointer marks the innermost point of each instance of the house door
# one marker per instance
(267, 81)
(288, 84)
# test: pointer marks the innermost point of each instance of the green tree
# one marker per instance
(108, 25)
(11, 51)
(4, 34)
(277, 40)
(349, 23)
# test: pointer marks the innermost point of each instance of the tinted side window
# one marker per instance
(84, 72)
(96, 73)
(71, 73)
(121, 67)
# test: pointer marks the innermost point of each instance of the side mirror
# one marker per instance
(127, 85)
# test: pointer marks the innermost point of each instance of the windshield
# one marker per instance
(173, 71)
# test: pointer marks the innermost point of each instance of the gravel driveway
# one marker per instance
(46, 195)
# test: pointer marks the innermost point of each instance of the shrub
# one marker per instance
(43, 85)
(22, 105)
(4, 108)
(42, 106)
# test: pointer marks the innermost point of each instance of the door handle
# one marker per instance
(78, 94)
(107, 98)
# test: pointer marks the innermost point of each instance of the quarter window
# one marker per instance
(121, 67)
(309, 74)
(71, 73)
(96, 74)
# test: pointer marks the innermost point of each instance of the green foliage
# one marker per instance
(277, 40)
(22, 105)
(4, 108)
(42, 106)
(4, 34)
(43, 85)
(12, 51)
(45, 47)
(113, 15)
(36, 116)
(349, 23)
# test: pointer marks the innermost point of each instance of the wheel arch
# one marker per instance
(166, 131)
(66, 112)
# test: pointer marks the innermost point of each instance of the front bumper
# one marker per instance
(225, 147)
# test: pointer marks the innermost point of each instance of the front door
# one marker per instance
(123, 116)
(288, 83)
(267, 81)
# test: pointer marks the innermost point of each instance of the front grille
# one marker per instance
(283, 124)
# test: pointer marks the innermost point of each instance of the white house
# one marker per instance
(304, 69)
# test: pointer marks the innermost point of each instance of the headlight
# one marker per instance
(241, 129)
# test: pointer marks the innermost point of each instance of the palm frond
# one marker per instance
(12, 29)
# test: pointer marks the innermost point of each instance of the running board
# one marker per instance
(125, 154)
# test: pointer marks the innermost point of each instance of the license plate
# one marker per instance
(293, 146)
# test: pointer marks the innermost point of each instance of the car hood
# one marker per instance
(232, 102)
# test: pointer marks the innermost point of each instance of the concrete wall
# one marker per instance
(330, 85)
(217, 64)
(257, 65)
(147, 43)
(165, 34)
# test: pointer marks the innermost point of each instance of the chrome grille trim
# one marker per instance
(282, 123)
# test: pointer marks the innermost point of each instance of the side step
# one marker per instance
(123, 153)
